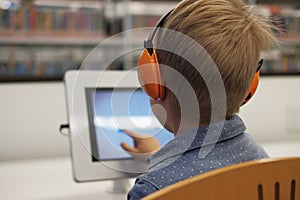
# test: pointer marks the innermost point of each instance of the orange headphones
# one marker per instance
(149, 72)
(254, 83)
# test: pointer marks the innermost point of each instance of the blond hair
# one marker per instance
(231, 34)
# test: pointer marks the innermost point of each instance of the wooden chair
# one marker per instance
(265, 179)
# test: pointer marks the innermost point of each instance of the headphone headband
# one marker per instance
(260, 63)
(148, 44)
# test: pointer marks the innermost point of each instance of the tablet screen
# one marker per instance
(110, 111)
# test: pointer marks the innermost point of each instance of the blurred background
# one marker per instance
(41, 39)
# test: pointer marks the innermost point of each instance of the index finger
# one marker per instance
(133, 134)
(130, 133)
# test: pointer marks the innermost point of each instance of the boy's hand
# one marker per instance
(144, 145)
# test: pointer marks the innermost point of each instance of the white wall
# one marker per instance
(275, 104)
(32, 112)
(273, 115)
(29, 120)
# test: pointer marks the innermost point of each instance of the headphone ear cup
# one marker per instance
(149, 75)
(252, 88)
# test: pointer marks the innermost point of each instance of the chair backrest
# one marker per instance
(265, 179)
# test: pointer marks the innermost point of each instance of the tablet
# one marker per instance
(100, 104)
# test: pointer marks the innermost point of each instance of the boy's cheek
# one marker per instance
(160, 112)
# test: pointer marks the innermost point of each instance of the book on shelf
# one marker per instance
(27, 61)
(45, 19)
(287, 60)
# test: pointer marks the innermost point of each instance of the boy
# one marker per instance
(208, 133)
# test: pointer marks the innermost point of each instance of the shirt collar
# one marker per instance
(205, 137)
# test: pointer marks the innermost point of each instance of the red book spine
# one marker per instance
(32, 18)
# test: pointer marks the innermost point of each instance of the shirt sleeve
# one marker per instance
(141, 189)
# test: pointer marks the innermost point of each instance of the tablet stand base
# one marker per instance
(120, 186)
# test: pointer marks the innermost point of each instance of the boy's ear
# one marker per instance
(254, 83)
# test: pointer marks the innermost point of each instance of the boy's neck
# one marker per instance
(183, 125)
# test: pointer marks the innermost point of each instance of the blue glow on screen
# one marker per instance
(122, 109)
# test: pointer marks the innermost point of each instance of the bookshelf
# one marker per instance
(41, 39)
(285, 59)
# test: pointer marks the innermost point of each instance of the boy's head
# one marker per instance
(232, 36)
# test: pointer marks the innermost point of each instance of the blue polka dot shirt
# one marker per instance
(195, 152)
